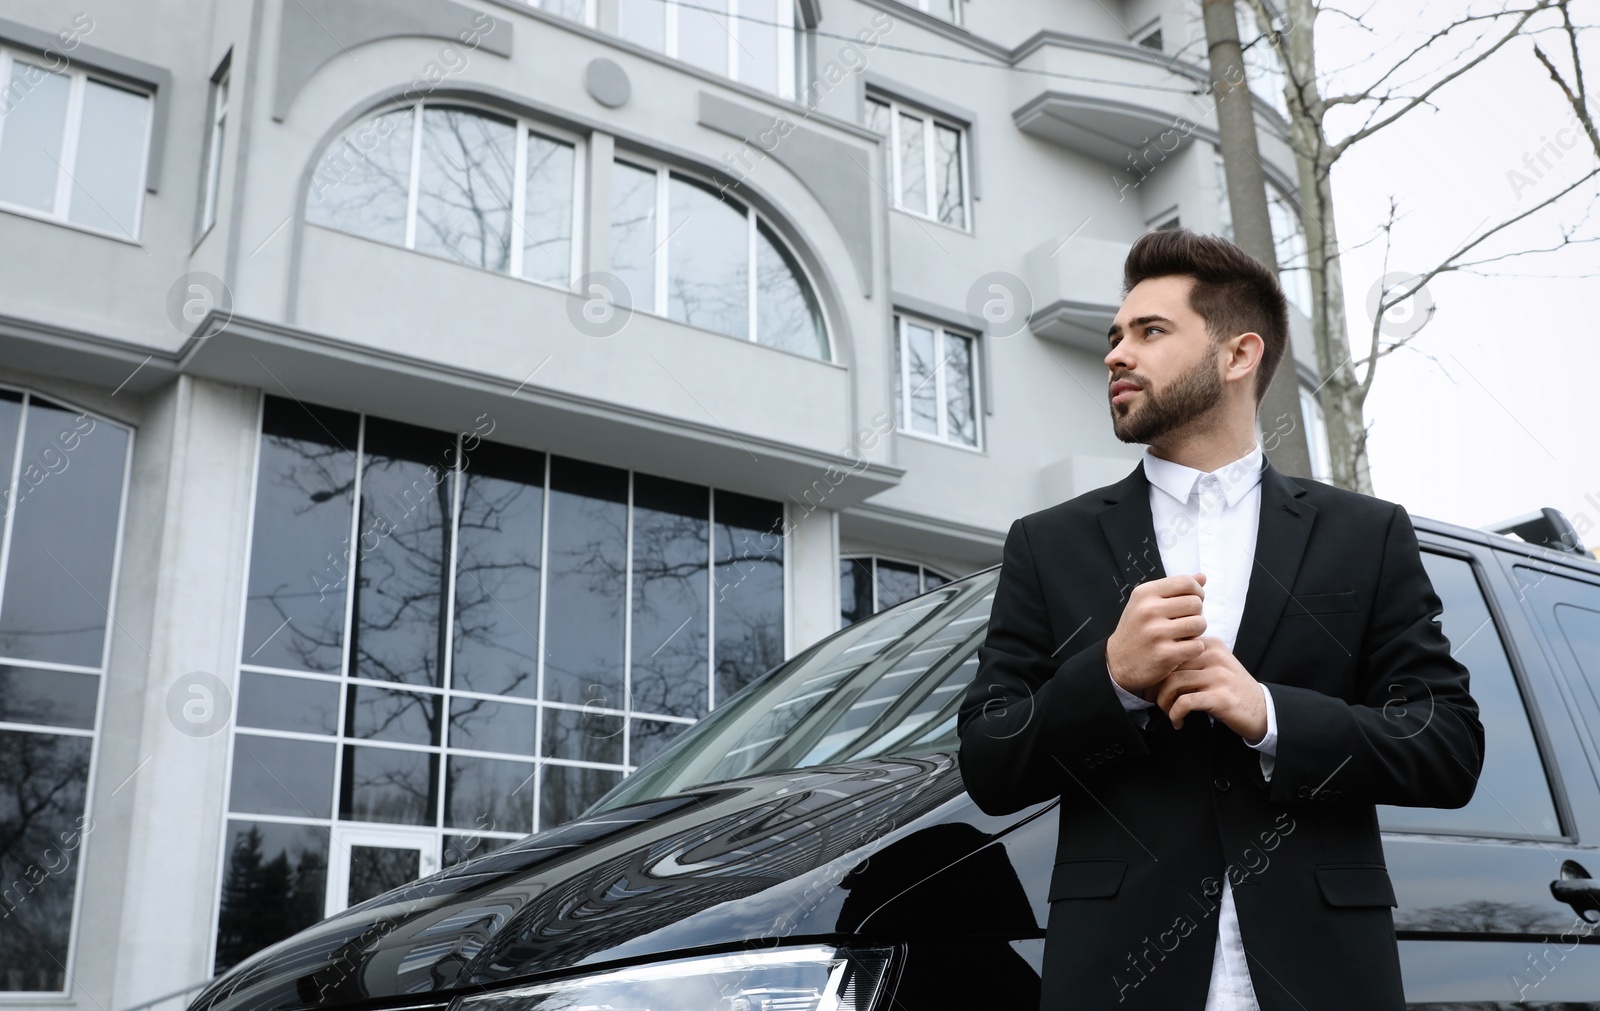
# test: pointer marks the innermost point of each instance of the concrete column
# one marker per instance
(811, 570)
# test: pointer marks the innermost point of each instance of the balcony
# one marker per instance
(1077, 287)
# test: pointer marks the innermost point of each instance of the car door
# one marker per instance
(1476, 917)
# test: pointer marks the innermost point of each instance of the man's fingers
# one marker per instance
(1188, 702)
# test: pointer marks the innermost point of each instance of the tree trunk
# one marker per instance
(1279, 412)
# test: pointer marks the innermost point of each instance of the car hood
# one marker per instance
(782, 855)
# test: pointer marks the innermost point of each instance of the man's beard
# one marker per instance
(1191, 396)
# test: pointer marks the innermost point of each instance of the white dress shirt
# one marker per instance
(1207, 522)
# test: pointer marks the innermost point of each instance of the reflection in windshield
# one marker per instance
(890, 685)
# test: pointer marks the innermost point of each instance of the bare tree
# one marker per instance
(1404, 86)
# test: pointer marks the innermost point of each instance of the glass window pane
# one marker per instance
(489, 795)
(464, 187)
(897, 582)
(30, 144)
(704, 34)
(787, 314)
(930, 579)
(299, 705)
(482, 725)
(643, 22)
(646, 738)
(51, 698)
(63, 536)
(748, 615)
(585, 735)
(108, 174)
(362, 183)
(913, 173)
(708, 259)
(758, 43)
(1513, 795)
(588, 564)
(377, 714)
(547, 221)
(300, 545)
(41, 835)
(272, 775)
(924, 392)
(497, 571)
(388, 785)
(633, 231)
(403, 565)
(378, 869)
(571, 9)
(877, 116)
(947, 175)
(671, 597)
(272, 887)
(961, 415)
(566, 790)
(855, 590)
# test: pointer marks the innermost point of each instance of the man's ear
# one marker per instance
(1244, 354)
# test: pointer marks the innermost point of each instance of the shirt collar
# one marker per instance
(1235, 478)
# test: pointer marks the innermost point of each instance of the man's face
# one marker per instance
(1161, 347)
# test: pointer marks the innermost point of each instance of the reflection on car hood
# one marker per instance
(773, 856)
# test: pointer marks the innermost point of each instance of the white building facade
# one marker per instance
(413, 413)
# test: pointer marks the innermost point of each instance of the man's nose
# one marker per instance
(1117, 360)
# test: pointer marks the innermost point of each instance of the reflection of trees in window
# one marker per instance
(389, 785)
(363, 181)
(708, 261)
(497, 571)
(749, 589)
(42, 784)
(273, 886)
(868, 584)
(671, 590)
(464, 187)
(588, 569)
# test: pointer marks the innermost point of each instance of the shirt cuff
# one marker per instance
(1268, 745)
(1129, 700)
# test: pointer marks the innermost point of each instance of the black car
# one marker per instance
(809, 845)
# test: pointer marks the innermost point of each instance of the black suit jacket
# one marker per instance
(1340, 622)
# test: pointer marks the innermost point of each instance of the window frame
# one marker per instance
(789, 27)
(957, 16)
(929, 145)
(902, 380)
(102, 672)
(753, 220)
(524, 126)
(221, 97)
(78, 79)
(923, 569)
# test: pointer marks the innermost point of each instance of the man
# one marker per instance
(1220, 670)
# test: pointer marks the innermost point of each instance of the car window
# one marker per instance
(887, 686)
(1513, 797)
(1569, 611)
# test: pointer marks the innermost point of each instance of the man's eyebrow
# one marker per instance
(1137, 321)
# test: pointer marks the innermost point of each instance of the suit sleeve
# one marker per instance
(1413, 738)
(1032, 723)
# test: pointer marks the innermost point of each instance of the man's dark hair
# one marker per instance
(1234, 292)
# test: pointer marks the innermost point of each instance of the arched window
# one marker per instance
(486, 190)
(690, 253)
(868, 584)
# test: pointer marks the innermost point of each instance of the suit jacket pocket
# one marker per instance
(1086, 879)
(1320, 603)
(1356, 884)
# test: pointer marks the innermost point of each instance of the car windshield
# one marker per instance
(888, 685)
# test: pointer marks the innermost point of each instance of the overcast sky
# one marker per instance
(1492, 416)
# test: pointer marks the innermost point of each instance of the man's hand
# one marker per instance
(1215, 682)
(1160, 628)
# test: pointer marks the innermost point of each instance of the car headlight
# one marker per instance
(813, 978)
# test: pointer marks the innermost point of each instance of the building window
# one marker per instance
(944, 10)
(936, 394)
(470, 186)
(869, 584)
(581, 11)
(927, 160)
(64, 484)
(686, 252)
(754, 42)
(1151, 38)
(1263, 63)
(450, 643)
(72, 146)
(1316, 436)
(1289, 236)
(219, 120)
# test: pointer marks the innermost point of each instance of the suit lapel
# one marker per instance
(1131, 533)
(1281, 535)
